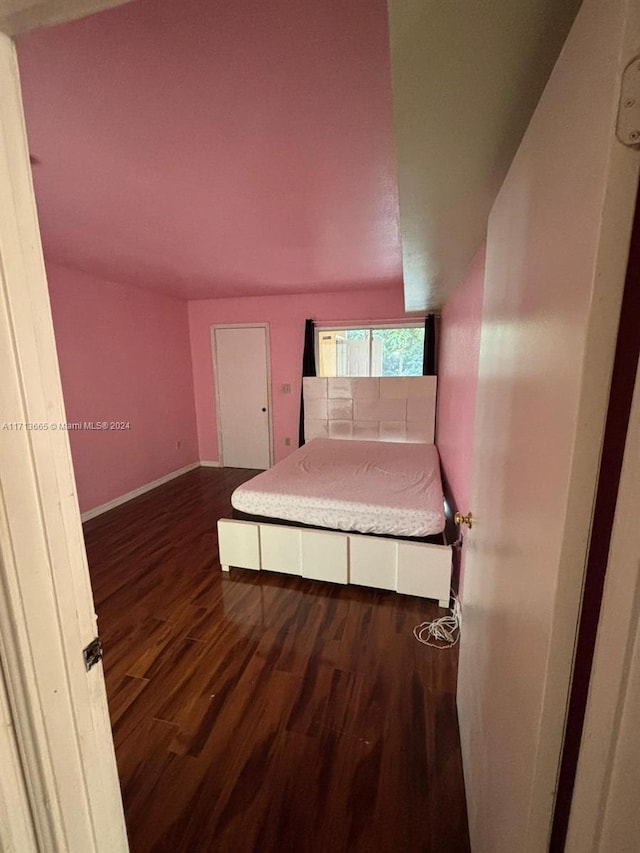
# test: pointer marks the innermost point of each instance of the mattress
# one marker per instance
(378, 487)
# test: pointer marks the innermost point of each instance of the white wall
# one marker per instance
(466, 79)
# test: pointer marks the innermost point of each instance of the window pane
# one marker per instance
(327, 361)
(397, 352)
(370, 352)
(352, 353)
(344, 352)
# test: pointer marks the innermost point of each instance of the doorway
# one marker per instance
(241, 359)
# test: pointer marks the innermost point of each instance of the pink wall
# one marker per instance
(217, 126)
(286, 316)
(458, 354)
(124, 356)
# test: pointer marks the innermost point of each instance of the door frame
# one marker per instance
(610, 600)
(214, 362)
(64, 746)
(594, 808)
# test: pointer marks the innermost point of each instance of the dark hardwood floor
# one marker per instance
(261, 712)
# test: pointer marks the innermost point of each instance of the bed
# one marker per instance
(361, 502)
(377, 487)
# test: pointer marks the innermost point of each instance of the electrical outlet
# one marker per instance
(287, 441)
(286, 389)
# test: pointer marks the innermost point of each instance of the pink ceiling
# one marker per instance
(217, 148)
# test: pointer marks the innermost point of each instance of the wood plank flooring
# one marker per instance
(261, 712)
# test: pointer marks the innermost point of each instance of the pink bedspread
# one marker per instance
(366, 486)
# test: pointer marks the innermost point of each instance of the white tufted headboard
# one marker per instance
(372, 408)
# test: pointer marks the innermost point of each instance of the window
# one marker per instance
(382, 350)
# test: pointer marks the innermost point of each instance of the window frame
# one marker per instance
(353, 325)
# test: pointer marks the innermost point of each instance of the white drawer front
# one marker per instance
(373, 562)
(424, 570)
(281, 549)
(325, 556)
(239, 544)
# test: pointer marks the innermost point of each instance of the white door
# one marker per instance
(557, 247)
(241, 370)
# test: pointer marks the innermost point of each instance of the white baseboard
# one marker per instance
(98, 510)
(215, 464)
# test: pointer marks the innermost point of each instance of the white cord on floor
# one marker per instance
(444, 632)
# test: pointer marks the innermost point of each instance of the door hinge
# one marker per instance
(628, 124)
(92, 653)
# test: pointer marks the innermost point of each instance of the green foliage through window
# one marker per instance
(402, 351)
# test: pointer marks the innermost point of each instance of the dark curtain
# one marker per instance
(429, 356)
(308, 368)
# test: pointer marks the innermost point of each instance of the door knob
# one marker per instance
(467, 519)
(264, 409)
